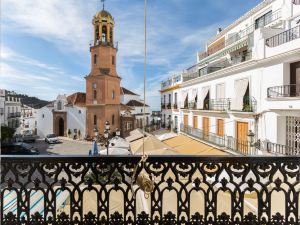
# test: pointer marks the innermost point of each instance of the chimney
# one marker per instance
(219, 30)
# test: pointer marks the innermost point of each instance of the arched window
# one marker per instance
(113, 94)
(113, 119)
(95, 59)
(95, 94)
(111, 36)
(97, 33)
(104, 34)
(59, 105)
(95, 120)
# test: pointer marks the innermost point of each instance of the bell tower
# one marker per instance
(103, 82)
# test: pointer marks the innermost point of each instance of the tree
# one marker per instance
(7, 133)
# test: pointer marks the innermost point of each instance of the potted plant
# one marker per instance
(69, 132)
(79, 134)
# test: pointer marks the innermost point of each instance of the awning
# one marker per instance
(184, 95)
(194, 94)
(240, 87)
(200, 102)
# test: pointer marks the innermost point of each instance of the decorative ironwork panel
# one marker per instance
(188, 190)
(293, 132)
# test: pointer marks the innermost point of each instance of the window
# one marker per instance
(141, 110)
(94, 85)
(113, 60)
(43, 116)
(95, 59)
(95, 94)
(263, 20)
(59, 105)
(79, 111)
(113, 119)
(169, 98)
(175, 98)
(95, 120)
(113, 94)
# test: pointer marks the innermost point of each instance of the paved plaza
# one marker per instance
(66, 147)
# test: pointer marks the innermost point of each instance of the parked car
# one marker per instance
(52, 139)
(26, 138)
(18, 149)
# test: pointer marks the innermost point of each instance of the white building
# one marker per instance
(2, 106)
(10, 109)
(248, 78)
(134, 101)
(66, 116)
(170, 92)
(28, 121)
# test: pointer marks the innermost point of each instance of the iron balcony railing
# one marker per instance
(194, 72)
(192, 105)
(14, 115)
(291, 90)
(221, 104)
(163, 106)
(284, 37)
(189, 190)
(169, 105)
(175, 106)
(242, 147)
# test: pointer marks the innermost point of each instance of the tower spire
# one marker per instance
(103, 1)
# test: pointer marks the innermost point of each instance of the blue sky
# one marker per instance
(45, 43)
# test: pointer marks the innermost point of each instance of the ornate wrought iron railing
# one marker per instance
(284, 37)
(242, 147)
(221, 104)
(188, 190)
(291, 90)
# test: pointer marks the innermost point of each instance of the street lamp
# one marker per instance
(251, 136)
(96, 133)
(107, 135)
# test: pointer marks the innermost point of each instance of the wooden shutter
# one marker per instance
(241, 136)
(205, 127)
(195, 122)
(186, 120)
(220, 127)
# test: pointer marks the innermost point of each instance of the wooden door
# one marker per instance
(186, 120)
(205, 127)
(220, 127)
(195, 122)
(241, 136)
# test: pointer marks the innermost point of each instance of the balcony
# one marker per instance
(248, 104)
(169, 105)
(187, 190)
(175, 106)
(284, 37)
(193, 72)
(241, 147)
(14, 115)
(192, 105)
(163, 106)
(284, 91)
(222, 104)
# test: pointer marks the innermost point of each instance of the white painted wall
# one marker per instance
(45, 121)
(76, 119)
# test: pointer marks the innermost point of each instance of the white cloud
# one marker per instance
(67, 25)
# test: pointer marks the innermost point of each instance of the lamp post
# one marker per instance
(107, 135)
(251, 140)
(96, 133)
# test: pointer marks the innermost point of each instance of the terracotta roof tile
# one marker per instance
(136, 103)
(126, 91)
(77, 98)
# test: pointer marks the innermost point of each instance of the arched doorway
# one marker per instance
(61, 127)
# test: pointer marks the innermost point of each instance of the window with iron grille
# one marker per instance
(293, 132)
